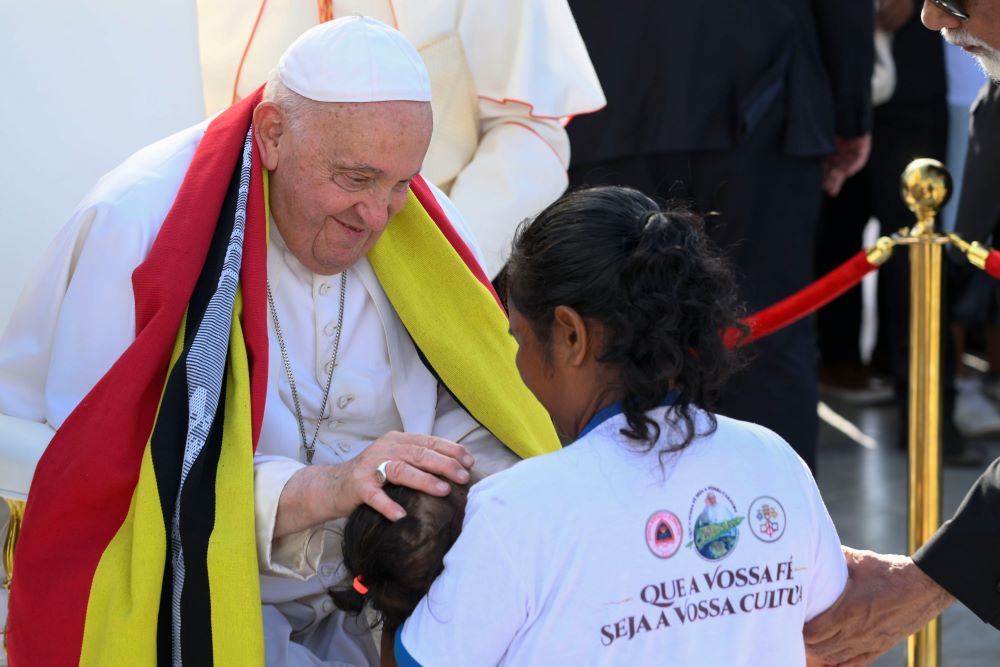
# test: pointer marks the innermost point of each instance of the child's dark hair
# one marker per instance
(398, 561)
(652, 279)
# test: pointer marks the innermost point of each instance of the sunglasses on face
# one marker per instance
(953, 7)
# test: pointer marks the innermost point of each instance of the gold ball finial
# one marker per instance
(926, 187)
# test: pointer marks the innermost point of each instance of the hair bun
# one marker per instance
(347, 599)
(654, 221)
(662, 231)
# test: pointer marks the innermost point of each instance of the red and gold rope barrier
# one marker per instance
(979, 255)
(814, 296)
(926, 186)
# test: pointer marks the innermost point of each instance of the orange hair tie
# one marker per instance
(360, 587)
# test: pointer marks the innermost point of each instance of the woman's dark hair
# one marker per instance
(649, 275)
(398, 561)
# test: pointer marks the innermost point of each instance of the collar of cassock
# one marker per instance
(138, 542)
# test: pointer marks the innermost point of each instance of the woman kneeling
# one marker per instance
(664, 534)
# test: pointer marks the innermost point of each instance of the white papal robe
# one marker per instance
(77, 315)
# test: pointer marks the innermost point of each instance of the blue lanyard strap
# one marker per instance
(606, 413)
(403, 657)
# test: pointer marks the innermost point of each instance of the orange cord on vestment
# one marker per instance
(246, 50)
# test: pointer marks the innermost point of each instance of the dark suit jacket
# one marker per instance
(919, 57)
(979, 205)
(688, 75)
(963, 556)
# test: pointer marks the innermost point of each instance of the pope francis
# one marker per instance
(242, 332)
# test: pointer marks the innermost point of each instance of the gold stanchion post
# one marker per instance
(926, 186)
(16, 508)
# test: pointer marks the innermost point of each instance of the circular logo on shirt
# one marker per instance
(663, 534)
(714, 526)
(766, 517)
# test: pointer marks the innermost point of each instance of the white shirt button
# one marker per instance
(326, 570)
(330, 329)
(327, 606)
(344, 401)
(333, 424)
(324, 288)
(344, 447)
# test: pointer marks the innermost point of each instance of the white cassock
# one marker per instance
(77, 315)
(503, 75)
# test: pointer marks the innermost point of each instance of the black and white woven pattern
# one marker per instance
(205, 368)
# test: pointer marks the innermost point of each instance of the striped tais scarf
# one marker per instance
(138, 537)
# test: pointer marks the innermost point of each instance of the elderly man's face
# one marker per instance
(339, 172)
(979, 36)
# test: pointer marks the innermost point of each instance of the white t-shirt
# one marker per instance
(585, 557)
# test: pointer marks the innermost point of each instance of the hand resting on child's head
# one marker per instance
(396, 562)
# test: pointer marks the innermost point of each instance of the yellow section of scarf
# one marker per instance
(461, 331)
(124, 604)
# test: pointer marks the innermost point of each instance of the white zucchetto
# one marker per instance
(354, 59)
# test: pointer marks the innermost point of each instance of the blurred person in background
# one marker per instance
(750, 135)
(975, 307)
(891, 596)
(911, 123)
(965, 83)
(844, 373)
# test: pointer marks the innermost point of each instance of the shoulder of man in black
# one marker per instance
(978, 216)
(963, 556)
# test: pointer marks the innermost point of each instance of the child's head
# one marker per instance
(643, 282)
(397, 561)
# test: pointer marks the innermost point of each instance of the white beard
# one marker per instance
(991, 66)
(989, 59)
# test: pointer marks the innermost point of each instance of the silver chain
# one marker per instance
(309, 446)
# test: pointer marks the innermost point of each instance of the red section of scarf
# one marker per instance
(84, 482)
(433, 208)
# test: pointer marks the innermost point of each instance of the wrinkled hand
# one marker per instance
(320, 493)
(414, 460)
(891, 15)
(887, 598)
(850, 157)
